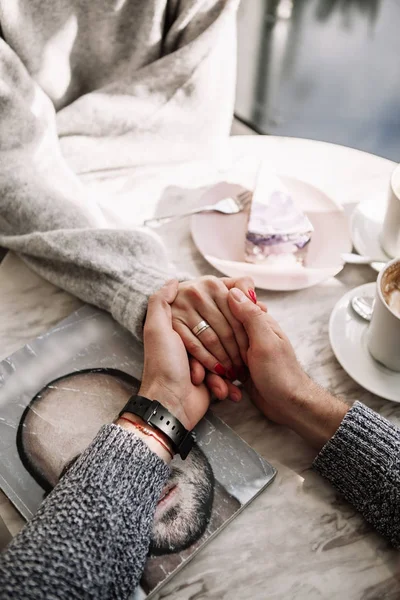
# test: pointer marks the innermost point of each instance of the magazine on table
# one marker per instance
(55, 394)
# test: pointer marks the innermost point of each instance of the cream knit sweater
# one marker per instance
(96, 85)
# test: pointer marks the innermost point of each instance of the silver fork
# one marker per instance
(226, 206)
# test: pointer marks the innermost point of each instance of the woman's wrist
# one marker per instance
(152, 437)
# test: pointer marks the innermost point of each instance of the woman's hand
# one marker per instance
(282, 390)
(222, 348)
(167, 373)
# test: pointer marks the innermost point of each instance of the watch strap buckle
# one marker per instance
(151, 410)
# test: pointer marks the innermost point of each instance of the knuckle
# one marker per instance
(228, 337)
(180, 302)
(193, 293)
(212, 338)
(192, 347)
(215, 284)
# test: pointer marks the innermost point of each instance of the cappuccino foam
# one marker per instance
(390, 287)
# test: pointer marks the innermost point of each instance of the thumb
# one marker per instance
(158, 309)
(168, 291)
(250, 315)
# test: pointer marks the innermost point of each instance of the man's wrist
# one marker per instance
(317, 415)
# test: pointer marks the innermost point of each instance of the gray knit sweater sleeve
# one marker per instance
(362, 461)
(91, 535)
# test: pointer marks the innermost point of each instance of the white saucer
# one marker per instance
(348, 337)
(221, 239)
(366, 225)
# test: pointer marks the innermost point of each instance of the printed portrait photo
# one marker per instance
(63, 418)
(61, 388)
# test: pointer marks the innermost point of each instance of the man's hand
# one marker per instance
(282, 390)
(166, 375)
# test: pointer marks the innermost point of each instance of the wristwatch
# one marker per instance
(156, 415)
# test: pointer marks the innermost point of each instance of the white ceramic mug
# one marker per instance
(390, 236)
(384, 330)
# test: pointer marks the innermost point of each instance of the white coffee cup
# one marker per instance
(390, 235)
(384, 330)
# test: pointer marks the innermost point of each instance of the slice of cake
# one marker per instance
(276, 225)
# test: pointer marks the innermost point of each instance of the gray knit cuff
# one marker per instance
(116, 452)
(362, 450)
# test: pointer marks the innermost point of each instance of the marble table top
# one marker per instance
(299, 539)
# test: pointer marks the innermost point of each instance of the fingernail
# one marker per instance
(219, 369)
(238, 295)
(235, 397)
(252, 295)
(232, 373)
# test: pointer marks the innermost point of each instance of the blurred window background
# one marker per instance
(322, 69)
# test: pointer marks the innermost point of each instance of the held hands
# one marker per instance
(280, 384)
(169, 376)
(281, 389)
(222, 347)
(167, 371)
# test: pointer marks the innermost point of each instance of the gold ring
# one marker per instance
(200, 327)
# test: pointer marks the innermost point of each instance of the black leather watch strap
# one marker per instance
(156, 415)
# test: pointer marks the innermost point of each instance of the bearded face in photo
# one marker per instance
(65, 416)
(184, 509)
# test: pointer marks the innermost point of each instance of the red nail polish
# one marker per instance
(232, 373)
(253, 296)
(219, 369)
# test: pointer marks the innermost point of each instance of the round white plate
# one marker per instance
(365, 225)
(221, 239)
(348, 337)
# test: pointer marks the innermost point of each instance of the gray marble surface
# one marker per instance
(298, 540)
